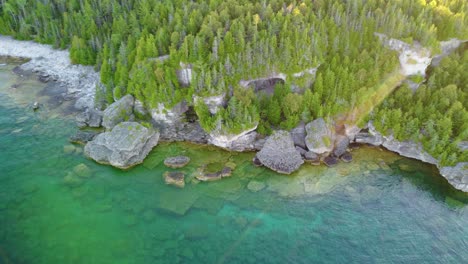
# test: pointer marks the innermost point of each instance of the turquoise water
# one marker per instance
(379, 209)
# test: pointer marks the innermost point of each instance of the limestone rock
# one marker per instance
(213, 176)
(175, 178)
(298, 135)
(312, 158)
(82, 171)
(139, 109)
(256, 186)
(341, 145)
(119, 111)
(457, 175)
(279, 153)
(169, 116)
(126, 145)
(320, 136)
(184, 75)
(83, 137)
(176, 162)
(301, 150)
(371, 136)
(214, 103)
(237, 142)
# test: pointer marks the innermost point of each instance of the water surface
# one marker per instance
(379, 209)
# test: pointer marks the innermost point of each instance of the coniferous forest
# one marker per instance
(138, 47)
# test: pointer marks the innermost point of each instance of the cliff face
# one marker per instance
(457, 175)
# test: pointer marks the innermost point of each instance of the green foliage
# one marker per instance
(224, 42)
(435, 115)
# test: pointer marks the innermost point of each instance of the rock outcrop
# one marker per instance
(369, 136)
(126, 145)
(119, 111)
(183, 131)
(166, 116)
(236, 142)
(214, 103)
(320, 136)
(184, 74)
(457, 175)
(279, 153)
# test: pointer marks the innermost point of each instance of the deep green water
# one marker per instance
(379, 209)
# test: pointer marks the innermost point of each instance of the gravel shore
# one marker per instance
(80, 80)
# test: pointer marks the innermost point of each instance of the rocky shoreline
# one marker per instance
(284, 152)
(54, 65)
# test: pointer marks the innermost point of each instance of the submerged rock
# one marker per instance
(215, 171)
(256, 186)
(82, 171)
(68, 149)
(330, 161)
(71, 180)
(35, 106)
(279, 153)
(256, 162)
(119, 111)
(125, 146)
(346, 157)
(320, 136)
(175, 178)
(176, 162)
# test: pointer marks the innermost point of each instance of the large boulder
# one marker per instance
(119, 111)
(279, 153)
(126, 145)
(320, 136)
(457, 175)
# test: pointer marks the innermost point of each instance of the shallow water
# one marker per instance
(379, 209)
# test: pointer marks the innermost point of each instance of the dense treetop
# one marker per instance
(226, 41)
